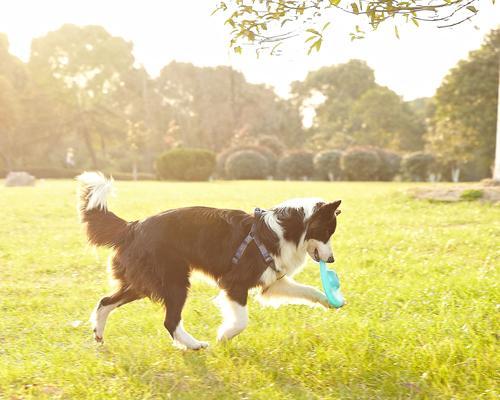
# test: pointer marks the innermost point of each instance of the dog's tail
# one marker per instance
(103, 227)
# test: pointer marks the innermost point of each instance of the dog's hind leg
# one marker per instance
(233, 305)
(174, 298)
(106, 305)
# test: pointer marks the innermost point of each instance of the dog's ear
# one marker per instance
(332, 208)
(327, 210)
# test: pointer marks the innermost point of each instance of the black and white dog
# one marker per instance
(155, 257)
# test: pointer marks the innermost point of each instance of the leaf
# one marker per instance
(396, 31)
(335, 2)
(230, 22)
(313, 31)
(355, 8)
(310, 38)
(326, 26)
(472, 8)
(316, 45)
(414, 20)
(237, 50)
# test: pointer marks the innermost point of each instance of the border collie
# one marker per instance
(155, 257)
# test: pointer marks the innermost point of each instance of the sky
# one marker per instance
(184, 30)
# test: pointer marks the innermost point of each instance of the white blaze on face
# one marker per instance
(324, 250)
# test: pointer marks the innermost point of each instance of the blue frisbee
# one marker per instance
(331, 286)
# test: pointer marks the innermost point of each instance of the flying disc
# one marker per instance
(331, 286)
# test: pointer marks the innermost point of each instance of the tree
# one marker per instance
(267, 23)
(9, 110)
(212, 104)
(463, 129)
(355, 110)
(85, 69)
(339, 87)
(382, 118)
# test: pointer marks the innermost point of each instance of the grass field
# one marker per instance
(421, 280)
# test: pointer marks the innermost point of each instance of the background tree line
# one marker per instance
(83, 90)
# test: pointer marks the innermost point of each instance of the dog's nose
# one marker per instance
(330, 259)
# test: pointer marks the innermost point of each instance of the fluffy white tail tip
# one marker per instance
(99, 189)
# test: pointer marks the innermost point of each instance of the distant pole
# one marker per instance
(496, 171)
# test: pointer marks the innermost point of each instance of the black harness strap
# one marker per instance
(252, 235)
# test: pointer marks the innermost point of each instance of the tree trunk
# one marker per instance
(6, 161)
(496, 170)
(134, 170)
(90, 148)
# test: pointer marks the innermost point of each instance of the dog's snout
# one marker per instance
(330, 259)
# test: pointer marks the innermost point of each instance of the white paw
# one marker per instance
(191, 345)
(227, 333)
(97, 328)
(324, 302)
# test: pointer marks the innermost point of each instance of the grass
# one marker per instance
(420, 279)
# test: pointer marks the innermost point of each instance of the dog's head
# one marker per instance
(320, 227)
(308, 222)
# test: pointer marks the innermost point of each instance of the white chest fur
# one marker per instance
(289, 262)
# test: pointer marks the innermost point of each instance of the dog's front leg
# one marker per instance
(233, 306)
(290, 291)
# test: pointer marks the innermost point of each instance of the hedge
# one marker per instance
(185, 164)
(417, 166)
(390, 164)
(247, 164)
(69, 173)
(327, 164)
(264, 151)
(296, 165)
(361, 164)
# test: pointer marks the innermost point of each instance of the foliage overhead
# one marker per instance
(267, 23)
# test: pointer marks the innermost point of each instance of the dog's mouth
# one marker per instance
(316, 255)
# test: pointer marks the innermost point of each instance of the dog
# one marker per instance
(156, 256)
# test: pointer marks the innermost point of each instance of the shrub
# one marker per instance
(296, 165)
(264, 151)
(247, 164)
(390, 164)
(272, 143)
(127, 176)
(327, 164)
(417, 166)
(185, 164)
(471, 194)
(68, 173)
(360, 164)
(51, 172)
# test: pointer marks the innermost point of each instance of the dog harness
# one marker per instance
(252, 235)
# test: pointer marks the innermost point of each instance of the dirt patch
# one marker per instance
(464, 192)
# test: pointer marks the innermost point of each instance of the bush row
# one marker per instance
(356, 163)
(259, 162)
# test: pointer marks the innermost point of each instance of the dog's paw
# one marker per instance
(323, 301)
(97, 338)
(192, 345)
(199, 346)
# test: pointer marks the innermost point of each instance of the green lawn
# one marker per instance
(421, 280)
